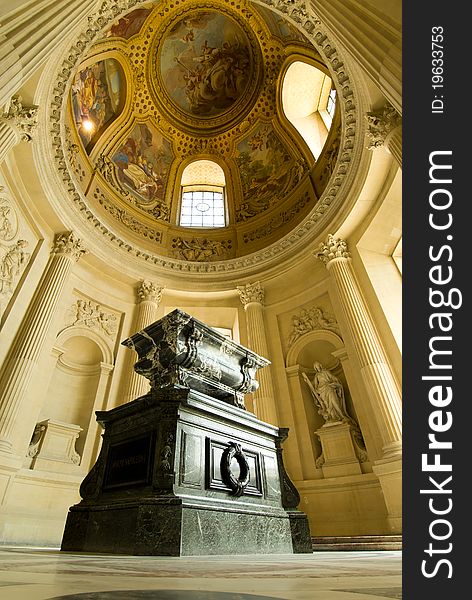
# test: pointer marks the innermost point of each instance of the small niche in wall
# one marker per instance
(73, 387)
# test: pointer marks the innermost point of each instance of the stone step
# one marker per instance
(356, 543)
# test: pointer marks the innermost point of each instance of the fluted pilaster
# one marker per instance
(252, 298)
(17, 370)
(149, 297)
(375, 370)
(30, 33)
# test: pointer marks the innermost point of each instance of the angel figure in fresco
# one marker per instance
(328, 394)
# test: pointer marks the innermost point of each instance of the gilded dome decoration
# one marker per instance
(172, 83)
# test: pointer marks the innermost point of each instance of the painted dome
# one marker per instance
(172, 83)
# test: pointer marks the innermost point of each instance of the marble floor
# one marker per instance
(47, 573)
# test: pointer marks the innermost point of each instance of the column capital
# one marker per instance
(69, 245)
(148, 290)
(380, 124)
(332, 248)
(24, 120)
(251, 292)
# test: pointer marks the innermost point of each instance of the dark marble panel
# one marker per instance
(220, 532)
(162, 595)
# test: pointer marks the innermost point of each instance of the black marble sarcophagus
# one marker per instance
(185, 470)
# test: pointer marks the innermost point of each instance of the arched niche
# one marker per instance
(326, 347)
(79, 385)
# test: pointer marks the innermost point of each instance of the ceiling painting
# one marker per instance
(266, 169)
(143, 162)
(130, 24)
(280, 27)
(97, 97)
(198, 81)
(205, 63)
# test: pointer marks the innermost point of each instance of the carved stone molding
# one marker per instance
(251, 292)
(147, 290)
(23, 119)
(309, 320)
(69, 245)
(380, 124)
(332, 248)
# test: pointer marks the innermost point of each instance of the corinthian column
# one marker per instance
(149, 297)
(23, 356)
(252, 298)
(375, 370)
(384, 128)
(371, 37)
(30, 33)
(16, 125)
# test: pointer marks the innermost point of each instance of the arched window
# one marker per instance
(203, 195)
(308, 101)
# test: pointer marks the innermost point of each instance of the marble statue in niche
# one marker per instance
(328, 394)
(330, 402)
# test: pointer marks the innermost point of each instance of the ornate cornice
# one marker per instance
(380, 124)
(149, 291)
(23, 119)
(332, 248)
(69, 245)
(251, 292)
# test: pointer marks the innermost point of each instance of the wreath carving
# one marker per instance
(237, 485)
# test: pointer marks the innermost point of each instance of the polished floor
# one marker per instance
(42, 574)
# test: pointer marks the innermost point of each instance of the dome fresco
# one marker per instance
(172, 83)
(205, 63)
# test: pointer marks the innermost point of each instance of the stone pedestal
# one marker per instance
(52, 446)
(340, 452)
(184, 474)
(184, 471)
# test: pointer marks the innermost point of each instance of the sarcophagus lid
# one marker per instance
(181, 350)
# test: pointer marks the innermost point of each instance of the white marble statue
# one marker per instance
(328, 394)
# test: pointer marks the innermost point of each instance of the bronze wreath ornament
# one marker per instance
(239, 484)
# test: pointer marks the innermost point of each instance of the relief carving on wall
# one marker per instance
(14, 255)
(200, 249)
(92, 315)
(310, 319)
